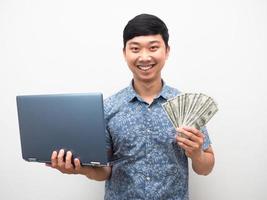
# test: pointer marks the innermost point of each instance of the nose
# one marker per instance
(144, 56)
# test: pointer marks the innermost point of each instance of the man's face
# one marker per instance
(146, 56)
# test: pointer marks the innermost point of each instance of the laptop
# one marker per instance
(73, 122)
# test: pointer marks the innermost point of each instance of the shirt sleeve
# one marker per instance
(108, 138)
(207, 141)
(109, 146)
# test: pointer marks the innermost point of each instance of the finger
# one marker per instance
(77, 164)
(180, 132)
(196, 136)
(60, 158)
(188, 135)
(54, 159)
(194, 130)
(185, 147)
(68, 164)
(187, 142)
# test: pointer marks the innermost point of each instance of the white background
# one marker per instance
(60, 46)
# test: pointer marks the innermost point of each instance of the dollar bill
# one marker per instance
(169, 111)
(190, 109)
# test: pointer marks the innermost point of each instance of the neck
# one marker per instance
(148, 90)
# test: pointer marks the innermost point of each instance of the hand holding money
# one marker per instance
(192, 142)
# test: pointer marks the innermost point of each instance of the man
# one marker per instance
(150, 158)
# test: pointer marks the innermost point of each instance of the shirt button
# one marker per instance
(149, 109)
(148, 178)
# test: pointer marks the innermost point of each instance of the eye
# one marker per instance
(134, 49)
(154, 48)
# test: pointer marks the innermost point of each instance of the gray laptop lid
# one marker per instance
(73, 122)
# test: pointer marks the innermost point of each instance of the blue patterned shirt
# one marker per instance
(148, 164)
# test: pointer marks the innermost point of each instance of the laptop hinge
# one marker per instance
(32, 159)
(95, 163)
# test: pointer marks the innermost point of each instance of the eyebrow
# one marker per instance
(150, 42)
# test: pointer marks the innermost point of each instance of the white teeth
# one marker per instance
(145, 67)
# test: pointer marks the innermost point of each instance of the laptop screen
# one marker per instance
(72, 122)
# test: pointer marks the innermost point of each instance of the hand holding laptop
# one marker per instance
(64, 164)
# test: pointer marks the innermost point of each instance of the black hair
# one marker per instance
(145, 24)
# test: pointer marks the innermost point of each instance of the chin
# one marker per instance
(146, 79)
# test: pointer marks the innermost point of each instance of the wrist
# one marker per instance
(90, 173)
(198, 156)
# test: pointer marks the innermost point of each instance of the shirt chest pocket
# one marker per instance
(127, 135)
(164, 135)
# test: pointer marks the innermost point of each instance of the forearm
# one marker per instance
(98, 173)
(203, 163)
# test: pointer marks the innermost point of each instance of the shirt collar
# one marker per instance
(165, 92)
(131, 92)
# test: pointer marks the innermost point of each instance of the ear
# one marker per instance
(124, 53)
(167, 52)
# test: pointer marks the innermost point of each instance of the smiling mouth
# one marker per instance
(145, 67)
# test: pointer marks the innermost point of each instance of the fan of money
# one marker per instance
(190, 109)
